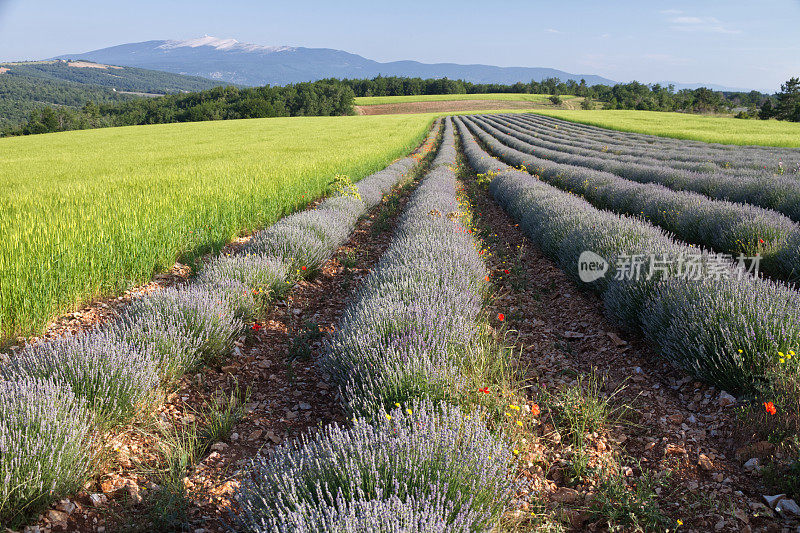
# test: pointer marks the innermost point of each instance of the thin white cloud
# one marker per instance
(687, 20)
(605, 36)
(551, 30)
(700, 24)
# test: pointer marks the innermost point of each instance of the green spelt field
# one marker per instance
(90, 213)
(508, 97)
(684, 126)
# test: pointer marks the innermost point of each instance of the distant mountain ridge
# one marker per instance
(250, 64)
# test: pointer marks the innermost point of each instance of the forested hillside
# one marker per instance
(27, 87)
(322, 98)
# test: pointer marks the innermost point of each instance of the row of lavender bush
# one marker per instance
(758, 173)
(727, 331)
(779, 193)
(411, 461)
(726, 227)
(716, 156)
(557, 137)
(54, 396)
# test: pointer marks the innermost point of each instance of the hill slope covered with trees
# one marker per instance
(29, 87)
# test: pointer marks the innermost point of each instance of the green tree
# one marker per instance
(789, 101)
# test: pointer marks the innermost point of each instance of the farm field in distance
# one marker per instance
(505, 97)
(459, 103)
(714, 129)
(89, 213)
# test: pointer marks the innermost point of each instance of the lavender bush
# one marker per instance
(710, 157)
(183, 327)
(724, 226)
(247, 304)
(416, 454)
(700, 326)
(372, 188)
(777, 192)
(730, 334)
(295, 246)
(111, 377)
(424, 514)
(44, 446)
(397, 340)
(263, 277)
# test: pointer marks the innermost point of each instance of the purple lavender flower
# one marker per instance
(182, 327)
(112, 377)
(44, 446)
(417, 453)
(699, 325)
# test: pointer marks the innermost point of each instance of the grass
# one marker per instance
(179, 449)
(715, 129)
(91, 213)
(507, 97)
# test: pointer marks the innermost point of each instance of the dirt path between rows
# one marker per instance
(680, 430)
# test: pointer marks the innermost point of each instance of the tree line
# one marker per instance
(336, 97)
(633, 95)
(321, 98)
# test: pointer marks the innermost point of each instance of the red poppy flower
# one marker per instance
(506, 271)
(302, 267)
(761, 241)
(484, 390)
(770, 408)
(501, 317)
(487, 278)
(256, 326)
(535, 410)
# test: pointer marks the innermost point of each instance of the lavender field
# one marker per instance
(433, 419)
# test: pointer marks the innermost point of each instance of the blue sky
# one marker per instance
(733, 43)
